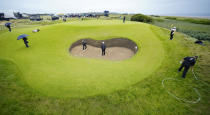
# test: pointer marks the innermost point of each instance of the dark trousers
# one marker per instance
(84, 47)
(171, 37)
(26, 43)
(103, 52)
(9, 28)
(186, 68)
(123, 21)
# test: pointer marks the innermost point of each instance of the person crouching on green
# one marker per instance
(187, 63)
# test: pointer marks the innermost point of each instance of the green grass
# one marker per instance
(49, 68)
(46, 79)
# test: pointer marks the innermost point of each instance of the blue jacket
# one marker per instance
(190, 60)
(103, 46)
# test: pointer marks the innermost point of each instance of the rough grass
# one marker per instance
(198, 31)
(191, 20)
(145, 97)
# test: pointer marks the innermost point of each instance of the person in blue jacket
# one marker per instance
(187, 63)
(103, 48)
(8, 25)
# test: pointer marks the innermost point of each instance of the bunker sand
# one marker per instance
(118, 49)
(112, 53)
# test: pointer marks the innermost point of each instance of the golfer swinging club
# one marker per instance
(187, 63)
(172, 33)
(103, 48)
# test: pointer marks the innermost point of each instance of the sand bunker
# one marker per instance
(117, 49)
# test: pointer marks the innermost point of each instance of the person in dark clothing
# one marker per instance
(199, 42)
(35, 31)
(9, 27)
(187, 63)
(124, 19)
(103, 48)
(84, 44)
(64, 19)
(25, 42)
(172, 35)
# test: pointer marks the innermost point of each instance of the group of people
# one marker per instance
(124, 18)
(103, 47)
(23, 37)
(186, 63)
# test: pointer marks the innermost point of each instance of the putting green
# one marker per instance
(48, 67)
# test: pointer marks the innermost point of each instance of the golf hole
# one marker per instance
(117, 49)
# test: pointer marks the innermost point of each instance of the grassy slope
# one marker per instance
(146, 97)
(48, 68)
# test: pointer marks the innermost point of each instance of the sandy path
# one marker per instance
(112, 53)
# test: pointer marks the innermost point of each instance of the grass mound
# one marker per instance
(40, 79)
(48, 68)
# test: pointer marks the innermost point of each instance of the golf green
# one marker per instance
(49, 68)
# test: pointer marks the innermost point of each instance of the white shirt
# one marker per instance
(35, 30)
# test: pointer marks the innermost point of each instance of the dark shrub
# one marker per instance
(159, 19)
(197, 34)
(141, 18)
(154, 15)
(171, 18)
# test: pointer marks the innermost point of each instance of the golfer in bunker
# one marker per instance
(187, 63)
(84, 44)
(103, 48)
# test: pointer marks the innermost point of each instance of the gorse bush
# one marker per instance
(171, 18)
(159, 20)
(141, 18)
(154, 15)
(197, 34)
(197, 21)
(191, 20)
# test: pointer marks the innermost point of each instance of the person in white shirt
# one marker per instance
(172, 33)
(37, 30)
